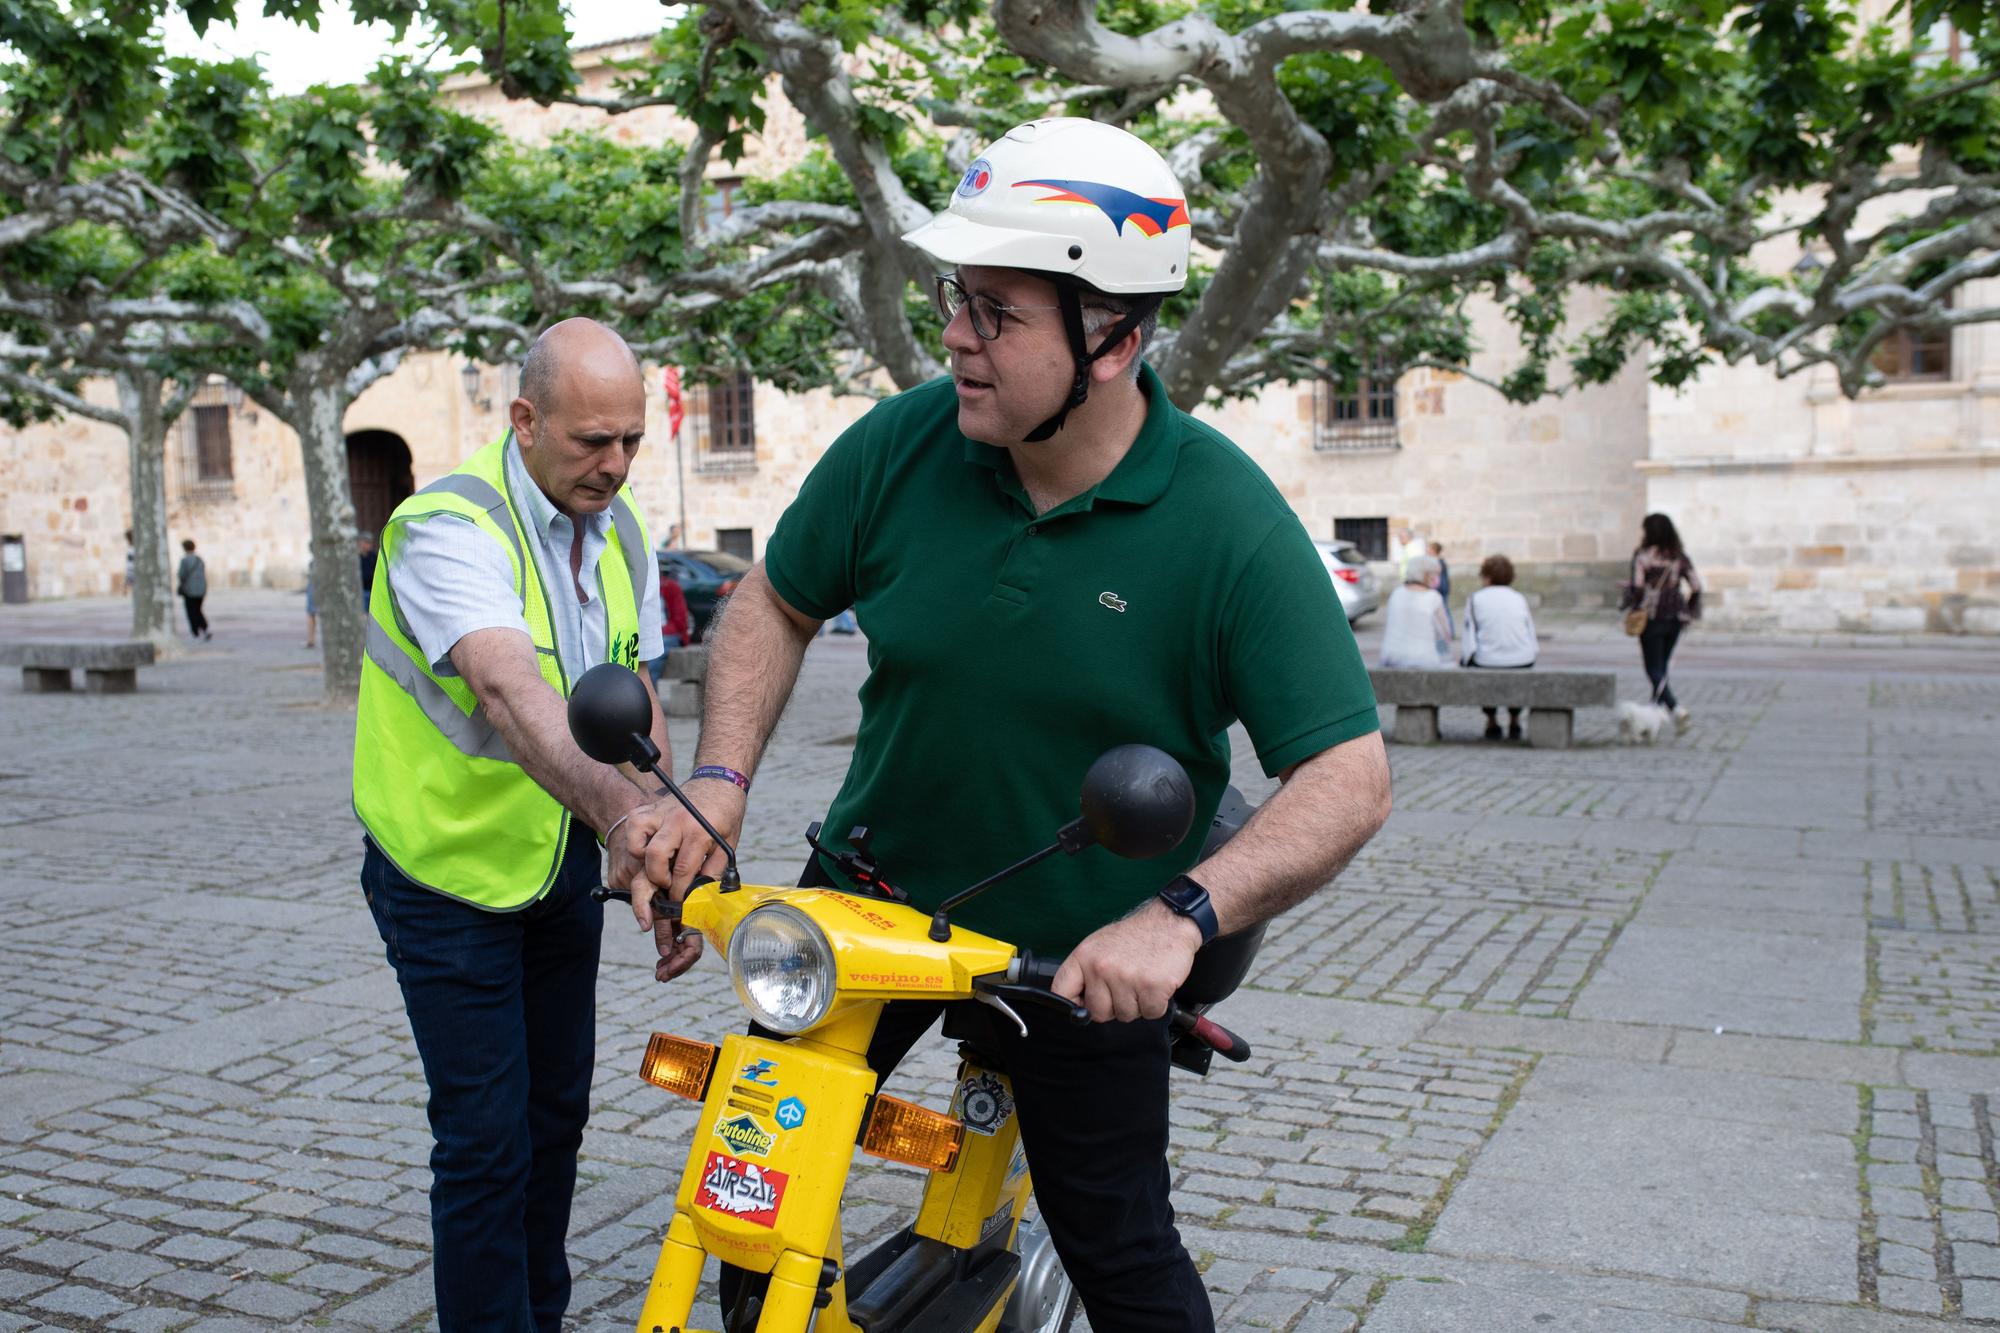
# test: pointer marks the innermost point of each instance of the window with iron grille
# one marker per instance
(723, 413)
(1364, 418)
(207, 467)
(211, 445)
(1908, 355)
(1370, 535)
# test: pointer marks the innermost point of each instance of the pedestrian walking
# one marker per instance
(1415, 632)
(191, 582)
(312, 609)
(1444, 585)
(365, 553)
(481, 848)
(1499, 634)
(1656, 607)
(1408, 547)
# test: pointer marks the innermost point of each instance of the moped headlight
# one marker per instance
(782, 968)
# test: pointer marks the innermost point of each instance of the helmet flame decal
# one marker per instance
(1149, 215)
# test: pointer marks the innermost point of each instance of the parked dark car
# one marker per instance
(706, 578)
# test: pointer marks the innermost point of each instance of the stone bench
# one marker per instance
(110, 666)
(1552, 698)
(680, 686)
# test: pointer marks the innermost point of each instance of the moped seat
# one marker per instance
(1224, 961)
(1220, 968)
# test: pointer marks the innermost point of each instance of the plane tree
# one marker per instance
(1358, 174)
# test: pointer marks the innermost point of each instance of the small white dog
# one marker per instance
(1640, 722)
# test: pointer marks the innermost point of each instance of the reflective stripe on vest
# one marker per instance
(435, 784)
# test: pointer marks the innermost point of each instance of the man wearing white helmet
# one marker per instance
(1049, 559)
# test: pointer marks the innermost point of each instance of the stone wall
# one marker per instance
(1806, 510)
(1552, 485)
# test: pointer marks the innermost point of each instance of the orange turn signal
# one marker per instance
(679, 1065)
(901, 1131)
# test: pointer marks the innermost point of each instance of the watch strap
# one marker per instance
(1185, 896)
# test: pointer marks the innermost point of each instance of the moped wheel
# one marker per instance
(1044, 1300)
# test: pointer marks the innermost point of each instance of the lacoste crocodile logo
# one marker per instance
(1112, 600)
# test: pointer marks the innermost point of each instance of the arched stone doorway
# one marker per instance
(378, 475)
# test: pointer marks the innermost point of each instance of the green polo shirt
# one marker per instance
(1007, 650)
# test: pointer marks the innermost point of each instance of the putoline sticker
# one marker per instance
(741, 1189)
(745, 1136)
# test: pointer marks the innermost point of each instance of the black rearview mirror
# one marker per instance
(1138, 802)
(608, 705)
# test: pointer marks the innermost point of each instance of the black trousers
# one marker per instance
(1656, 645)
(1092, 1105)
(197, 622)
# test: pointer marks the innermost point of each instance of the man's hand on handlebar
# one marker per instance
(680, 849)
(627, 871)
(678, 950)
(1130, 968)
(627, 845)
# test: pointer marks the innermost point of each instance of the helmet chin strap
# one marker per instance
(1070, 298)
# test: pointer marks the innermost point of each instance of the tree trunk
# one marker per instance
(320, 411)
(146, 435)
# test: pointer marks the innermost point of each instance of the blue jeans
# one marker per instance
(503, 1007)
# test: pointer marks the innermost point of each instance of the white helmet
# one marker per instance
(1069, 197)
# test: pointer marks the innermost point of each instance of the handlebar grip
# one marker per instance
(660, 904)
(1210, 1034)
(1039, 971)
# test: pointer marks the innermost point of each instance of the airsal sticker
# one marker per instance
(741, 1189)
(977, 177)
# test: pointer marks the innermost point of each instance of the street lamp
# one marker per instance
(470, 376)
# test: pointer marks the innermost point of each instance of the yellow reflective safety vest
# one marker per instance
(434, 783)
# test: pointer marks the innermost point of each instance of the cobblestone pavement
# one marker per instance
(1698, 1036)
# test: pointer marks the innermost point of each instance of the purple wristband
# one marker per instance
(718, 771)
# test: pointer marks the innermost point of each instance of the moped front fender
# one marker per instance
(762, 1186)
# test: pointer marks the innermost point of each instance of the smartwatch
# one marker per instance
(1184, 897)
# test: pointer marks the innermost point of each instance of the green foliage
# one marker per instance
(1750, 104)
(436, 147)
(72, 83)
(195, 143)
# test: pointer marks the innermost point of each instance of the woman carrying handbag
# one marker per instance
(1656, 608)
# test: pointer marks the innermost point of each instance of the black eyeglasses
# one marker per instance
(985, 313)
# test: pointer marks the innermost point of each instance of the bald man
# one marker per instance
(500, 584)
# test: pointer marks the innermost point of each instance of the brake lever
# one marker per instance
(1048, 999)
(995, 1002)
(663, 907)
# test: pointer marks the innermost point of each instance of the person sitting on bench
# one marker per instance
(1415, 632)
(1499, 633)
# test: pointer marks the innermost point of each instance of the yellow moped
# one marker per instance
(780, 1119)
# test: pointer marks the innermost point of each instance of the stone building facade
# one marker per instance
(1802, 509)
